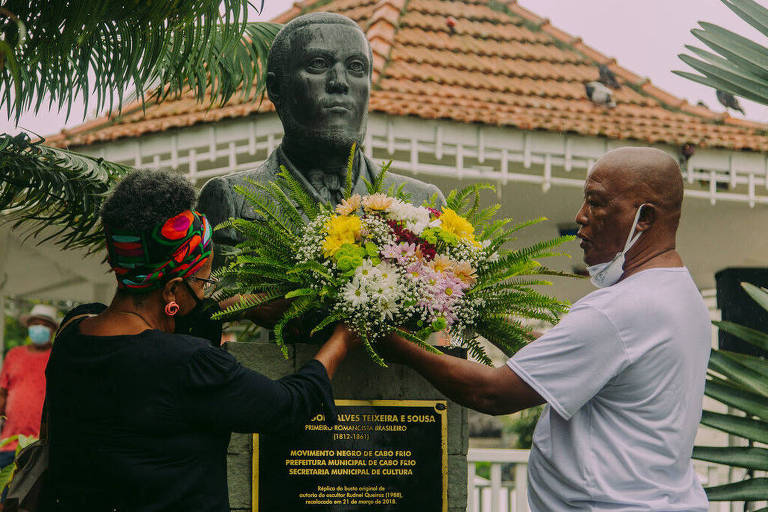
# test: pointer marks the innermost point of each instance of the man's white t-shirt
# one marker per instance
(623, 375)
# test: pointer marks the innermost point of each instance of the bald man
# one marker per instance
(623, 372)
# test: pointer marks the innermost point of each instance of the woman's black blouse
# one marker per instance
(142, 422)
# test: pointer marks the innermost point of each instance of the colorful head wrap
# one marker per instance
(145, 261)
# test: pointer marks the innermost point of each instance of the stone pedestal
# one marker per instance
(360, 379)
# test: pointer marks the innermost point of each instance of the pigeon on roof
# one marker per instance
(607, 77)
(728, 100)
(450, 22)
(599, 94)
(701, 104)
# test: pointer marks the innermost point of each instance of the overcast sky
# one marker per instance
(644, 37)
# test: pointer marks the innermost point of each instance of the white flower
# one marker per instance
(416, 218)
(387, 274)
(367, 273)
(388, 308)
(354, 293)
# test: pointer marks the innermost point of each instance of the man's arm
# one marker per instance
(483, 388)
(3, 400)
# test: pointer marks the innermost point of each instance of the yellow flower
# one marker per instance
(452, 222)
(440, 263)
(341, 229)
(378, 202)
(348, 206)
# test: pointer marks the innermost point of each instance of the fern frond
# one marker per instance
(315, 267)
(328, 320)
(299, 194)
(417, 341)
(378, 182)
(286, 206)
(484, 216)
(370, 351)
(456, 199)
(266, 209)
(476, 350)
(297, 309)
(508, 335)
(350, 165)
(538, 250)
(246, 303)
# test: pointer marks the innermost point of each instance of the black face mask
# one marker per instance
(198, 322)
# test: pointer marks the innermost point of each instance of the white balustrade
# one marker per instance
(506, 488)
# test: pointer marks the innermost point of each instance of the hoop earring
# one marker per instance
(171, 308)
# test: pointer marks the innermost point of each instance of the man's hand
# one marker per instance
(393, 348)
(483, 388)
(336, 348)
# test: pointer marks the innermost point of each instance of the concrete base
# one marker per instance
(360, 379)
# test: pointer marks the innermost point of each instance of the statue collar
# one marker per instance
(363, 170)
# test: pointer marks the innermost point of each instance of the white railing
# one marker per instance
(499, 493)
(440, 149)
(506, 488)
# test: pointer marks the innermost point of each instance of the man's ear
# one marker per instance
(647, 217)
(273, 88)
(171, 290)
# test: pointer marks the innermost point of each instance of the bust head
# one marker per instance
(319, 77)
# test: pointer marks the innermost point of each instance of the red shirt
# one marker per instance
(23, 375)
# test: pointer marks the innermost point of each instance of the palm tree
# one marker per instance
(741, 382)
(68, 49)
(739, 66)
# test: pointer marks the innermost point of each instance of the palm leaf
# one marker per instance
(747, 457)
(738, 65)
(749, 428)
(44, 187)
(76, 48)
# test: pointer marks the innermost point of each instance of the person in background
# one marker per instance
(140, 406)
(22, 379)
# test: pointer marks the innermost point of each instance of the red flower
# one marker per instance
(428, 250)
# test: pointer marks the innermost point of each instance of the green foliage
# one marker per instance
(75, 48)
(350, 170)
(46, 187)
(741, 382)
(522, 426)
(739, 65)
(6, 474)
(15, 333)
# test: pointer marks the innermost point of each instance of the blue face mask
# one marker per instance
(39, 334)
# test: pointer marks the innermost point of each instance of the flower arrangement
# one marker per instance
(381, 264)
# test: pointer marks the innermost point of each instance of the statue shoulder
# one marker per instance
(419, 191)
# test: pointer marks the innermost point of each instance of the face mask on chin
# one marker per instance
(606, 274)
(198, 321)
(39, 334)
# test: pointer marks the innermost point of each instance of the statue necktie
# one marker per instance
(328, 186)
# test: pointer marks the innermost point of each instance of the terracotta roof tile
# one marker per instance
(501, 66)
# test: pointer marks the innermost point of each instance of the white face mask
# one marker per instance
(606, 274)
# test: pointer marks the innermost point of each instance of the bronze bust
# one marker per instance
(319, 78)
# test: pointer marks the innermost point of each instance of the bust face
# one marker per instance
(323, 99)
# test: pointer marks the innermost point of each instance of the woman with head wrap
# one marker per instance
(140, 415)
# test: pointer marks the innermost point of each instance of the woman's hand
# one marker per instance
(265, 315)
